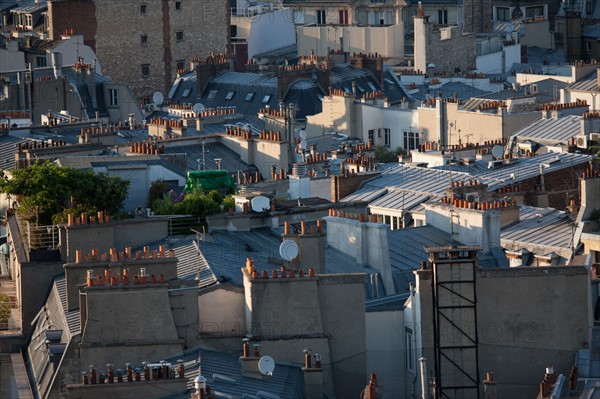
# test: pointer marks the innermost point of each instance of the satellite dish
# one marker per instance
(303, 144)
(288, 249)
(303, 134)
(158, 98)
(260, 204)
(497, 151)
(4, 249)
(198, 107)
(266, 365)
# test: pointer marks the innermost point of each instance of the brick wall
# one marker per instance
(115, 29)
(559, 185)
(342, 186)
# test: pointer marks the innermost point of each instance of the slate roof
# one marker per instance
(591, 32)
(459, 90)
(548, 91)
(8, 147)
(224, 375)
(235, 88)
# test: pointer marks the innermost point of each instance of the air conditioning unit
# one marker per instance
(581, 141)
(595, 137)
(151, 107)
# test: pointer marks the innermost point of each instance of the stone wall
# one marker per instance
(115, 29)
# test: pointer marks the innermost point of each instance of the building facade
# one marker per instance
(144, 44)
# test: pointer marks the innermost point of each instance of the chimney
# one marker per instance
(249, 360)
(489, 387)
(371, 391)
(311, 247)
(597, 78)
(208, 69)
(313, 376)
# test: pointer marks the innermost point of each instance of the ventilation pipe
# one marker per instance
(424, 388)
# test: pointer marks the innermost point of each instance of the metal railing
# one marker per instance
(42, 237)
(186, 225)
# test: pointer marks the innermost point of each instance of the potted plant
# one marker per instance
(5, 306)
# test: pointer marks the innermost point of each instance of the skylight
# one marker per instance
(249, 96)
(229, 95)
(212, 94)
(266, 99)
(186, 93)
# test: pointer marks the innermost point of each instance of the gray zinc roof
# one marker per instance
(588, 83)
(224, 375)
(551, 131)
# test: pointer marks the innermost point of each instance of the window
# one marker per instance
(229, 95)
(180, 64)
(113, 97)
(588, 45)
(502, 14)
(410, 350)
(145, 70)
(143, 8)
(144, 40)
(249, 96)
(588, 8)
(212, 94)
(266, 99)
(411, 140)
(321, 17)
(298, 17)
(372, 86)
(343, 17)
(537, 11)
(387, 137)
(372, 136)
(443, 17)
(185, 93)
(178, 5)
(40, 62)
(28, 20)
(179, 36)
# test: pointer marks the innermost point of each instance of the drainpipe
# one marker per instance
(424, 390)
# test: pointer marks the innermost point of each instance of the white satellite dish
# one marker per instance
(4, 249)
(260, 204)
(497, 151)
(266, 365)
(288, 250)
(198, 107)
(303, 134)
(303, 144)
(158, 98)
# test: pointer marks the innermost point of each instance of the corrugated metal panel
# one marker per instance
(588, 83)
(399, 199)
(72, 317)
(551, 230)
(552, 130)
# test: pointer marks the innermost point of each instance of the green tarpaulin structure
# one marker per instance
(209, 180)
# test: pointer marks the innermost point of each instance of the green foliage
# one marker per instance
(215, 196)
(4, 307)
(382, 154)
(157, 190)
(228, 203)
(196, 203)
(46, 189)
